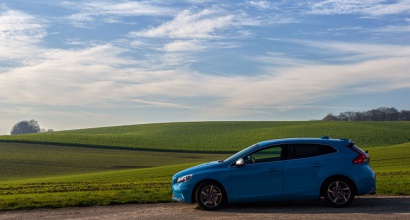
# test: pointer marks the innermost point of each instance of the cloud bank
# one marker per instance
(196, 60)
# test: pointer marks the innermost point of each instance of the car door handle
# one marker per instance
(317, 165)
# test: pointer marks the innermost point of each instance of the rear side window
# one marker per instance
(298, 151)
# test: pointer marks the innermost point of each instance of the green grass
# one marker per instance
(148, 185)
(392, 167)
(220, 136)
(151, 185)
(105, 166)
(22, 161)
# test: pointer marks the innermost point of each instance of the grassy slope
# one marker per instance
(78, 176)
(149, 185)
(392, 166)
(221, 136)
(23, 161)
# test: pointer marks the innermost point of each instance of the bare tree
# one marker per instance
(48, 130)
(404, 115)
(330, 117)
(26, 127)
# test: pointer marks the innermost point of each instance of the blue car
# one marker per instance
(280, 170)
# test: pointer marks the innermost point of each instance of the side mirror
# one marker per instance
(239, 162)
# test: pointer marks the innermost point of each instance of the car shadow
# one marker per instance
(373, 204)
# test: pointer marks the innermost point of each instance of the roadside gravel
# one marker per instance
(363, 208)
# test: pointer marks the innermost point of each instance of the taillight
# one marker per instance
(361, 158)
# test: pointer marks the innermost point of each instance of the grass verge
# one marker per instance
(149, 185)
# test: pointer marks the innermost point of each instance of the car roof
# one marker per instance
(307, 140)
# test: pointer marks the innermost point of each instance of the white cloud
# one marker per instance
(19, 35)
(192, 30)
(162, 104)
(365, 51)
(151, 70)
(111, 11)
(62, 77)
(354, 52)
(308, 84)
(192, 45)
(366, 7)
(328, 7)
(400, 6)
(190, 25)
(261, 5)
(100, 76)
(394, 29)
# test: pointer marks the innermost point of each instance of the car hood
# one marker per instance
(196, 169)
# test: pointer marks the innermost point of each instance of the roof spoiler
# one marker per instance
(349, 141)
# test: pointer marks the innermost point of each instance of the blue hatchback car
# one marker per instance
(280, 170)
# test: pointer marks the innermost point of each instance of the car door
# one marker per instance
(260, 178)
(303, 170)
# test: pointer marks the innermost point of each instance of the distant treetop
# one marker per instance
(379, 114)
(27, 127)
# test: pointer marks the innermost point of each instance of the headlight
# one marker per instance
(183, 179)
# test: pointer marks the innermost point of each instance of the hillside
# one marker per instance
(147, 185)
(24, 161)
(103, 166)
(219, 136)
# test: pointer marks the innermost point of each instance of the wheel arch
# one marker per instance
(338, 177)
(193, 193)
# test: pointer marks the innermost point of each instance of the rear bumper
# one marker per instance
(367, 185)
(373, 191)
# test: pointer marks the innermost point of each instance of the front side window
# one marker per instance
(265, 155)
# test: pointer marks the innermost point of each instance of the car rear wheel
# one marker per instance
(210, 195)
(339, 192)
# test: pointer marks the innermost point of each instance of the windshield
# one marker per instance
(240, 153)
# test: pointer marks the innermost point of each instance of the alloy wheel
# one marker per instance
(339, 192)
(211, 196)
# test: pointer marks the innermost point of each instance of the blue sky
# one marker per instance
(89, 63)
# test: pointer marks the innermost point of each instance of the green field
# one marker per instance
(23, 161)
(221, 136)
(83, 169)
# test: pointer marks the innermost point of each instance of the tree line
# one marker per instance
(379, 114)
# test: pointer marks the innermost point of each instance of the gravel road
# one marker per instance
(363, 208)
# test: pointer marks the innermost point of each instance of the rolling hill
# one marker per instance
(134, 164)
(219, 136)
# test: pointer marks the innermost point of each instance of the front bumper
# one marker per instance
(181, 192)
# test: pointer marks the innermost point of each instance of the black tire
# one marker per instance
(339, 192)
(210, 195)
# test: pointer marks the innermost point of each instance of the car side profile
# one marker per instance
(280, 170)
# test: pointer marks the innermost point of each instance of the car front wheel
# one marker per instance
(210, 195)
(339, 192)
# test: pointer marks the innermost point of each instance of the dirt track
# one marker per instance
(363, 208)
